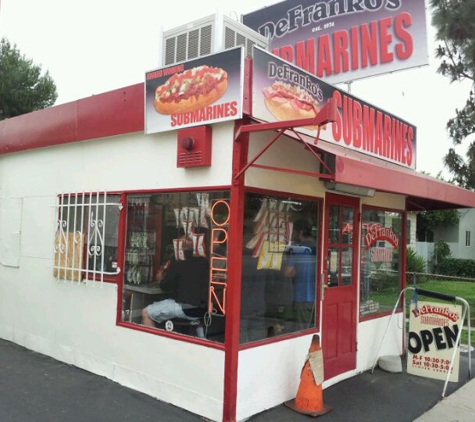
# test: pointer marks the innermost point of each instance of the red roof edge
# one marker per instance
(107, 114)
(423, 192)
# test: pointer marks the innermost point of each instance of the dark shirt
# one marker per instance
(188, 280)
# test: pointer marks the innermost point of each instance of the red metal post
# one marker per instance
(235, 245)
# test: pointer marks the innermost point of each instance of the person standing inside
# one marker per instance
(301, 269)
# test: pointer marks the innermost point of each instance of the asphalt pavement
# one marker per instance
(37, 388)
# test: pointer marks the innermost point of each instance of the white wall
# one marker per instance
(455, 236)
(426, 250)
(286, 153)
(412, 217)
(371, 339)
(76, 323)
(269, 375)
(466, 224)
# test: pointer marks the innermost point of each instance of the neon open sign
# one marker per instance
(218, 275)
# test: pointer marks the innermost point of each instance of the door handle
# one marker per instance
(323, 286)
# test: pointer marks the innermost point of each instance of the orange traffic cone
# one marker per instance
(309, 400)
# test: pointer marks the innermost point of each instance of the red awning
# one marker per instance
(423, 192)
(349, 167)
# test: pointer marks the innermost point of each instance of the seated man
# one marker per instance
(188, 281)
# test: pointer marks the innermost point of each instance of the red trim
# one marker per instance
(233, 296)
(177, 189)
(404, 268)
(121, 249)
(327, 114)
(379, 315)
(173, 335)
(108, 114)
(106, 279)
(278, 339)
(316, 329)
(121, 255)
(342, 343)
(247, 100)
(320, 265)
(425, 191)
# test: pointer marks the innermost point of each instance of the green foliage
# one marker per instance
(454, 21)
(414, 262)
(427, 221)
(441, 251)
(457, 267)
(23, 88)
(383, 280)
(441, 254)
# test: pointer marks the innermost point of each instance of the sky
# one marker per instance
(94, 46)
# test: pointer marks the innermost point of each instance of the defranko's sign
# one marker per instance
(282, 91)
(344, 40)
(433, 330)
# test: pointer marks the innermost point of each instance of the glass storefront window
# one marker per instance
(176, 262)
(279, 266)
(380, 260)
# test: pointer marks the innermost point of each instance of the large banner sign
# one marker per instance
(433, 330)
(282, 91)
(344, 40)
(195, 93)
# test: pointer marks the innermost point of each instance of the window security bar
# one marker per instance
(80, 237)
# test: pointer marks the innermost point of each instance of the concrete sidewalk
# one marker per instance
(383, 396)
(36, 388)
(458, 407)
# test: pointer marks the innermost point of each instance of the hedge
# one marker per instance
(457, 267)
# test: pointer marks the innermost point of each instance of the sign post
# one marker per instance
(425, 340)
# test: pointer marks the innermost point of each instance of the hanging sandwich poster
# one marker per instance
(194, 93)
(282, 91)
(433, 330)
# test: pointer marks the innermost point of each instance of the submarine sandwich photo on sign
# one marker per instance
(195, 93)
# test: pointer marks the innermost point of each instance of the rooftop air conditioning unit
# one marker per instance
(208, 35)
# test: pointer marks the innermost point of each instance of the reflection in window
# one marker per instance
(176, 262)
(334, 227)
(380, 260)
(340, 248)
(279, 266)
(347, 266)
(333, 266)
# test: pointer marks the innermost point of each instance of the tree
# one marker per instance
(22, 86)
(454, 21)
(427, 221)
